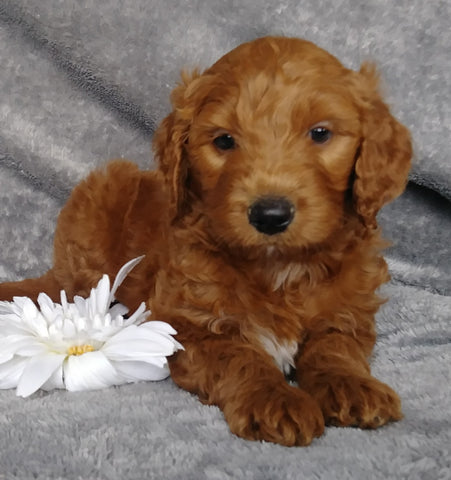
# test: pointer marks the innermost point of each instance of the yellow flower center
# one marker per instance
(80, 349)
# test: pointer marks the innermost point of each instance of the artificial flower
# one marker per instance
(84, 345)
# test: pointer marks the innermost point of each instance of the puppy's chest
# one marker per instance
(269, 310)
(285, 276)
(284, 330)
(283, 351)
(287, 289)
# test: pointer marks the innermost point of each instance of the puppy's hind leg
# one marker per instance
(89, 235)
(31, 287)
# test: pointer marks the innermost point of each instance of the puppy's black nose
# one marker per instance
(271, 215)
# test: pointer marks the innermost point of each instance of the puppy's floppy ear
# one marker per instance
(170, 139)
(385, 153)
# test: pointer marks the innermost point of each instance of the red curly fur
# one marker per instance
(248, 305)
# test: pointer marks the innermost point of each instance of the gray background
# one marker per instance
(86, 81)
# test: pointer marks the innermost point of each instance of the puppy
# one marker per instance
(260, 235)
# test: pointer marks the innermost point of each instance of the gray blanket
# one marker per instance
(86, 81)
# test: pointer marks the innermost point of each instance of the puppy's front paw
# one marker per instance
(361, 401)
(284, 414)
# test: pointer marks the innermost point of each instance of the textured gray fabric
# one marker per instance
(83, 82)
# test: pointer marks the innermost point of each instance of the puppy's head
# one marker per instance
(277, 144)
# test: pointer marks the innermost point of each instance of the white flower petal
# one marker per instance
(136, 350)
(118, 310)
(33, 319)
(64, 302)
(159, 361)
(46, 306)
(9, 344)
(143, 331)
(55, 381)
(80, 323)
(5, 307)
(10, 372)
(91, 306)
(126, 349)
(139, 371)
(161, 330)
(68, 328)
(96, 322)
(15, 307)
(90, 371)
(22, 345)
(139, 343)
(154, 359)
(10, 315)
(16, 328)
(80, 306)
(103, 295)
(123, 272)
(140, 316)
(158, 326)
(37, 371)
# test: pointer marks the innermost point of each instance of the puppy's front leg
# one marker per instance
(244, 382)
(334, 370)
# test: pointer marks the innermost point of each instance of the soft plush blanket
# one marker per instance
(83, 81)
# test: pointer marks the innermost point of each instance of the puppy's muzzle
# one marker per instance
(271, 215)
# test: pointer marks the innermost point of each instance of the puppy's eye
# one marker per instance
(320, 134)
(224, 142)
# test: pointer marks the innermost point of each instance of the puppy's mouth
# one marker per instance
(271, 215)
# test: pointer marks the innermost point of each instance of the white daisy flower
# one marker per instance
(85, 345)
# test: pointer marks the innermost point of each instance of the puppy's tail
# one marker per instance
(32, 287)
